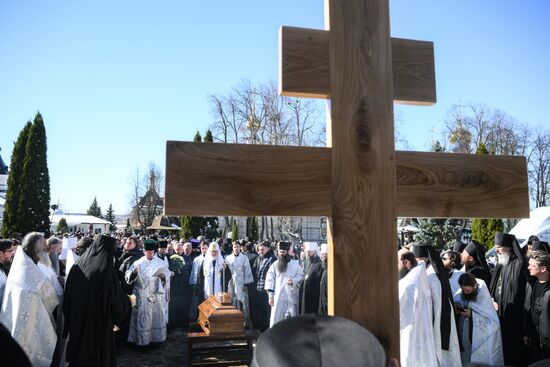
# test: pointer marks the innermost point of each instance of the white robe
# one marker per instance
(212, 277)
(285, 297)
(3, 279)
(166, 299)
(241, 274)
(27, 307)
(486, 346)
(416, 317)
(197, 263)
(451, 357)
(453, 281)
(147, 323)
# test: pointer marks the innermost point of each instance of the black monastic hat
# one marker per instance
(458, 246)
(504, 239)
(150, 245)
(541, 246)
(284, 245)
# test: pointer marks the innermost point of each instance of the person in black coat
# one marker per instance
(537, 307)
(323, 292)
(508, 291)
(129, 256)
(473, 258)
(93, 303)
(310, 287)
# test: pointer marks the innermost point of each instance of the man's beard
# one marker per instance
(44, 259)
(469, 297)
(503, 259)
(403, 272)
(282, 263)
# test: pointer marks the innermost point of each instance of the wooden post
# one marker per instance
(363, 168)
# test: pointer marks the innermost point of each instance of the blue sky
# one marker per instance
(115, 79)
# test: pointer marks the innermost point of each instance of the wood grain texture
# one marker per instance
(462, 185)
(230, 179)
(363, 168)
(305, 70)
(235, 179)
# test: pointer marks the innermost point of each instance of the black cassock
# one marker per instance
(309, 290)
(323, 293)
(508, 290)
(93, 302)
(180, 296)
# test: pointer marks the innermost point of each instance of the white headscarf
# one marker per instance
(324, 248)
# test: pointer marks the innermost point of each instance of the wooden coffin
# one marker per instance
(218, 316)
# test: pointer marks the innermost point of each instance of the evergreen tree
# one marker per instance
(197, 137)
(208, 138)
(437, 147)
(128, 226)
(95, 209)
(34, 200)
(185, 231)
(110, 217)
(10, 222)
(252, 228)
(483, 230)
(440, 233)
(235, 231)
(62, 226)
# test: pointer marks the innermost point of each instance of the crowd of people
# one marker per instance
(456, 308)
(63, 297)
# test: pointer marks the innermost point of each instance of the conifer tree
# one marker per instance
(208, 138)
(62, 226)
(235, 231)
(10, 223)
(185, 225)
(34, 200)
(94, 209)
(252, 228)
(110, 217)
(197, 137)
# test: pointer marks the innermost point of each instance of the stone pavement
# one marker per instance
(171, 353)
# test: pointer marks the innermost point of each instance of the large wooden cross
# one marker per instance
(359, 180)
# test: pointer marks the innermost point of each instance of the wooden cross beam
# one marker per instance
(359, 181)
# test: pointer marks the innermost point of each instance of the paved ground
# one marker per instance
(173, 352)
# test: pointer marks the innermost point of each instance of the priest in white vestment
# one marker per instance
(148, 274)
(241, 274)
(479, 323)
(213, 270)
(195, 280)
(444, 324)
(282, 284)
(29, 301)
(416, 314)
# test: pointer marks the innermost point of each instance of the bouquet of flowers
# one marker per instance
(176, 263)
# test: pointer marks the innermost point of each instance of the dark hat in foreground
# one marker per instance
(318, 340)
(150, 245)
(162, 244)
